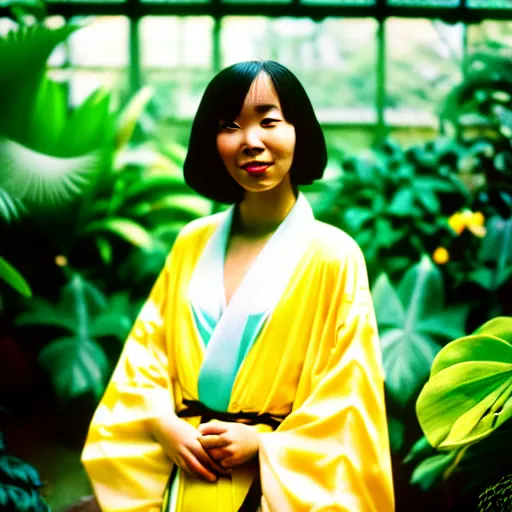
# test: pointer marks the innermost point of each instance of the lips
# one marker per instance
(256, 167)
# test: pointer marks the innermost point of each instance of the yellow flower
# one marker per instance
(441, 256)
(473, 221)
(61, 260)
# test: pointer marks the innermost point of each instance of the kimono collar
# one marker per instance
(228, 332)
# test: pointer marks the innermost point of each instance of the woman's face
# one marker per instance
(257, 147)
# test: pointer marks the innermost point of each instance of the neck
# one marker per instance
(260, 213)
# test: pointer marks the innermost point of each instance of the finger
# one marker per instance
(229, 462)
(204, 458)
(197, 468)
(218, 454)
(213, 427)
(212, 441)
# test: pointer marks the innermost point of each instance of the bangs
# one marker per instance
(229, 89)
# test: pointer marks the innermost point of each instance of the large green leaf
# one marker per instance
(469, 393)
(11, 208)
(76, 363)
(12, 277)
(130, 115)
(411, 320)
(44, 132)
(124, 228)
(23, 54)
(43, 312)
(431, 470)
(41, 178)
(76, 366)
(90, 127)
(496, 249)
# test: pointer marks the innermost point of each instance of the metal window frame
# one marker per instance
(134, 10)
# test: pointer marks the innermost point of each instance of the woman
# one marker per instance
(256, 353)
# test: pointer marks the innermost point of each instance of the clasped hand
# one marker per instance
(212, 450)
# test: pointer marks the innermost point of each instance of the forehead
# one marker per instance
(262, 92)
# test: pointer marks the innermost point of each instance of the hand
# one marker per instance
(180, 442)
(229, 443)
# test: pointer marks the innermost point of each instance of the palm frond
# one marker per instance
(10, 207)
(41, 178)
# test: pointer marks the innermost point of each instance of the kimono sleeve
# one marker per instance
(332, 452)
(127, 468)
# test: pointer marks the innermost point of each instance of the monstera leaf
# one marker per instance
(76, 362)
(469, 393)
(412, 320)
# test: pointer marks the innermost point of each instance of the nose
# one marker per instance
(252, 141)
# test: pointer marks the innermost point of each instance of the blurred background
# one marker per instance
(415, 99)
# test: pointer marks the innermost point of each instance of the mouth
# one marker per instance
(256, 168)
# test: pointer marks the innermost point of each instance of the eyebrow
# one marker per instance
(266, 108)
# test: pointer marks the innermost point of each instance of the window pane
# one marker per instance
(423, 64)
(338, 2)
(84, 82)
(170, 41)
(259, 1)
(92, 1)
(102, 43)
(335, 59)
(175, 1)
(490, 33)
(425, 3)
(490, 4)
(176, 59)
(58, 56)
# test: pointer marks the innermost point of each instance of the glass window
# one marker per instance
(334, 59)
(490, 4)
(338, 2)
(423, 63)
(259, 1)
(176, 59)
(102, 42)
(490, 33)
(99, 57)
(424, 3)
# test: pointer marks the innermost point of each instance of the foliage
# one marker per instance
(395, 202)
(76, 362)
(40, 163)
(19, 485)
(467, 396)
(465, 408)
(12, 277)
(412, 321)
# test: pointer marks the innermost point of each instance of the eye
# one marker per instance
(268, 121)
(228, 126)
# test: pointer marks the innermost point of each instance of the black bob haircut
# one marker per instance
(223, 98)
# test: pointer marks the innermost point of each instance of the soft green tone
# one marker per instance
(468, 394)
(12, 277)
(77, 363)
(412, 320)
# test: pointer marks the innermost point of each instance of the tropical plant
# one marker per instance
(395, 202)
(465, 409)
(38, 170)
(19, 484)
(478, 112)
(413, 323)
(76, 362)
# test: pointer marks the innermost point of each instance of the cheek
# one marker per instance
(224, 147)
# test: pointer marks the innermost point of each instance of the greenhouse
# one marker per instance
(99, 106)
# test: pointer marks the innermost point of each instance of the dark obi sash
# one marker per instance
(194, 408)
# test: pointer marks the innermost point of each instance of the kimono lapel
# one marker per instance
(229, 332)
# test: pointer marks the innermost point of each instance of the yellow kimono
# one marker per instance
(297, 340)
